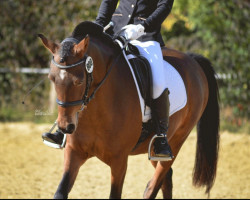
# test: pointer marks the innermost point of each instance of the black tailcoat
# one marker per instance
(149, 13)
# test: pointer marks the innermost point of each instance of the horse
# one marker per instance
(101, 112)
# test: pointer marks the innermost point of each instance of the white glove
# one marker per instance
(133, 32)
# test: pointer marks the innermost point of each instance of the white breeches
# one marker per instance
(151, 50)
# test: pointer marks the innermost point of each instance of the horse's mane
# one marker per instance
(92, 29)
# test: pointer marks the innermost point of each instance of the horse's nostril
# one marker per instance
(70, 128)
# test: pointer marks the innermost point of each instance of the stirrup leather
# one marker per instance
(155, 158)
(53, 145)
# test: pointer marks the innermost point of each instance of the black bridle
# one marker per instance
(88, 61)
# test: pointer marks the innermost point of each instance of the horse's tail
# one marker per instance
(208, 131)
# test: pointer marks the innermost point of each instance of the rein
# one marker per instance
(88, 61)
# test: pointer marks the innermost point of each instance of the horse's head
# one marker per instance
(67, 72)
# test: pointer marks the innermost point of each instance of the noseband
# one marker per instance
(89, 65)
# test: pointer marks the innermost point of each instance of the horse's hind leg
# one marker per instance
(72, 163)
(167, 184)
(156, 182)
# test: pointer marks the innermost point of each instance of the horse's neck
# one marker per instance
(99, 104)
(102, 56)
(109, 102)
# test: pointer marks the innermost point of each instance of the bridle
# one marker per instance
(89, 66)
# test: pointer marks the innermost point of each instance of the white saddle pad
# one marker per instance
(175, 84)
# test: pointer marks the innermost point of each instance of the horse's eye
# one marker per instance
(62, 60)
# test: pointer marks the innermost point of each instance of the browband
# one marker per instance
(68, 66)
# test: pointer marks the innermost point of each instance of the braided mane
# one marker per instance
(80, 32)
(92, 29)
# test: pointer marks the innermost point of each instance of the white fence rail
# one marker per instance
(46, 71)
(52, 92)
(25, 70)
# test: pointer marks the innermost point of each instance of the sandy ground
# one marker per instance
(29, 169)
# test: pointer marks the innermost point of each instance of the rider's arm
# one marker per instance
(106, 11)
(158, 16)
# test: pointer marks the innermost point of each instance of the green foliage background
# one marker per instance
(20, 22)
(217, 29)
(220, 30)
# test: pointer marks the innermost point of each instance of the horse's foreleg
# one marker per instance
(72, 163)
(167, 184)
(118, 172)
(158, 179)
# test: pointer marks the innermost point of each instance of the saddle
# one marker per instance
(142, 71)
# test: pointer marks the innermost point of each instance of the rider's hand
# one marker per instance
(133, 32)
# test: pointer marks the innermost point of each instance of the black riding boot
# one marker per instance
(160, 112)
(56, 137)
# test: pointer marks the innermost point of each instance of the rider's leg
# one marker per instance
(151, 50)
(160, 115)
(160, 105)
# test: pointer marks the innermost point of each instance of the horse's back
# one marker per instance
(196, 85)
(191, 72)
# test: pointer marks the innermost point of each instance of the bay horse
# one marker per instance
(111, 124)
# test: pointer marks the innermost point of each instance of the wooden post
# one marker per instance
(52, 98)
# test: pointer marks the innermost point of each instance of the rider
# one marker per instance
(141, 21)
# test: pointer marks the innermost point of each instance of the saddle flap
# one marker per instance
(143, 74)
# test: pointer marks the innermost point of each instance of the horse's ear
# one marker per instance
(53, 47)
(81, 48)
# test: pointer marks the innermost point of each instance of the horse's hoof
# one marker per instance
(60, 196)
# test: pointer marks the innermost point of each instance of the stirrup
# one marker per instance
(53, 145)
(155, 158)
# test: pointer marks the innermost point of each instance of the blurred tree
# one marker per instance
(20, 22)
(221, 31)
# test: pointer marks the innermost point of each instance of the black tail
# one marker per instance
(208, 131)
